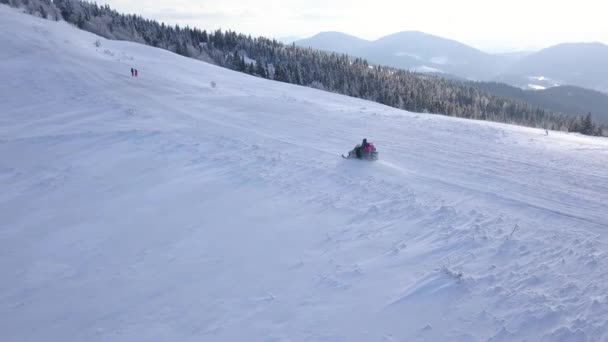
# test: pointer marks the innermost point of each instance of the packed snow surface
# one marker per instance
(162, 208)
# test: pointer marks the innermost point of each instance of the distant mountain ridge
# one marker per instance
(578, 64)
(337, 42)
(564, 99)
(411, 50)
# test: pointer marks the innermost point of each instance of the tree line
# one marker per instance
(328, 71)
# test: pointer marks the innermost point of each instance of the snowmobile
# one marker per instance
(369, 153)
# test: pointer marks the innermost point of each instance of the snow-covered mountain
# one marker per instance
(335, 42)
(412, 50)
(579, 64)
(193, 203)
(562, 99)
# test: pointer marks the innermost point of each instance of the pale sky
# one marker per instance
(490, 25)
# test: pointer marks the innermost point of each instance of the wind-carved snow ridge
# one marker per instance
(194, 203)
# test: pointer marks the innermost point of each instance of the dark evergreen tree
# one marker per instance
(250, 69)
(588, 127)
(260, 70)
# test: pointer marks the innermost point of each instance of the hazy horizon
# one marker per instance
(490, 49)
(492, 26)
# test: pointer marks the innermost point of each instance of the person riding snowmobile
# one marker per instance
(363, 148)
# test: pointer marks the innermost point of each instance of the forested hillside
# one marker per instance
(302, 66)
(564, 99)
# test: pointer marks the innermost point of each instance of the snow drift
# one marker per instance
(194, 203)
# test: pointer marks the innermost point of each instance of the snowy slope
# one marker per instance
(164, 209)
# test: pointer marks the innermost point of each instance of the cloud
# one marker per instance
(172, 14)
(314, 16)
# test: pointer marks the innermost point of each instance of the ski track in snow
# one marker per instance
(161, 208)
